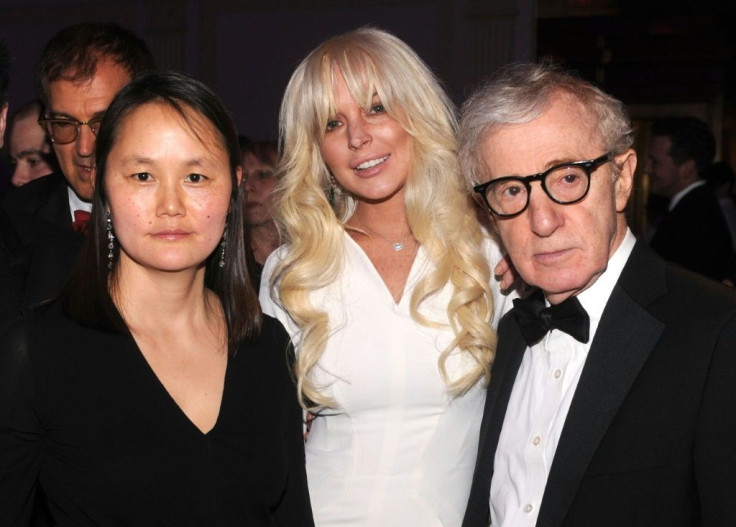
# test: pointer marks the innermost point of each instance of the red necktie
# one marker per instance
(81, 221)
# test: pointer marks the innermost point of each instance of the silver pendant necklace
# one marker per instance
(396, 246)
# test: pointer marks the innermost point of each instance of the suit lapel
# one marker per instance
(511, 347)
(625, 337)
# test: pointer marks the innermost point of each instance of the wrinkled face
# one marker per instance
(561, 249)
(29, 150)
(367, 151)
(83, 101)
(664, 174)
(168, 189)
(259, 180)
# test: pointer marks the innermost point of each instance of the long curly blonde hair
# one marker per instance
(438, 209)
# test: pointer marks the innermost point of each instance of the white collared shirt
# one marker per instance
(676, 199)
(75, 203)
(540, 399)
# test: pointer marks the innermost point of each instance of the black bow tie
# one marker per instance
(535, 320)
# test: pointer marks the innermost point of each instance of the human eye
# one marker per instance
(33, 162)
(62, 125)
(332, 124)
(508, 190)
(143, 177)
(377, 107)
(567, 183)
(196, 178)
(94, 124)
(263, 175)
(566, 176)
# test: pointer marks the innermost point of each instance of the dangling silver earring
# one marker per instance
(331, 191)
(223, 243)
(110, 240)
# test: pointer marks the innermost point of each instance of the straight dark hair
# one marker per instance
(73, 53)
(88, 291)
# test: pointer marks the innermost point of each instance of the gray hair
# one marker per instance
(518, 94)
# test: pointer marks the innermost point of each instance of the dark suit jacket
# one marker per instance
(46, 198)
(39, 247)
(649, 437)
(695, 235)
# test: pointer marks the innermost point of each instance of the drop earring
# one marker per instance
(223, 243)
(331, 191)
(110, 240)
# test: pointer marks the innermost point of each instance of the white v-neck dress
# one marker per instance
(398, 451)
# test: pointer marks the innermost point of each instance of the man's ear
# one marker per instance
(625, 180)
(687, 171)
(239, 174)
(3, 122)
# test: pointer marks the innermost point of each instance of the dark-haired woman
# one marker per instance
(153, 391)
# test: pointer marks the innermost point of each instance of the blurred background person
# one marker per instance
(384, 283)
(81, 69)
(28, 147)
(153, 391)
(259, 179)
(693, 232)
(721, 178)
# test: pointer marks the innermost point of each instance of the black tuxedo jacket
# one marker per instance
(37, 244)
(695, 235)
(650, 437)
(45, 198)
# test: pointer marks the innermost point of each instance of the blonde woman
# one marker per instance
(384, 283)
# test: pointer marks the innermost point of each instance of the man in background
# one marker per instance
(29, 148)
(693, 233)
(80, 71)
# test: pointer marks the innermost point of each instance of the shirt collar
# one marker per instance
(676, 199)
(595, 298)
(75, 203)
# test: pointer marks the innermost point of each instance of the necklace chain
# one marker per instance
(397, 245)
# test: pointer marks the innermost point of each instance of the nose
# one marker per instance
(249, 183)
(170, 199)
(358, 133)
(85, 142)
(20, 175)
(545, 216)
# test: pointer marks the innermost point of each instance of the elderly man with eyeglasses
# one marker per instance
(81, 69)
(612, 393)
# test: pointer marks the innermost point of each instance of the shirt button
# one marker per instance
(558, 374)
(528, 508)
(536, 440)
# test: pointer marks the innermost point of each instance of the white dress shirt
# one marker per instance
(75, 203)
(540, 399)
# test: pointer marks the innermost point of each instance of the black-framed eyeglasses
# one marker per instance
(566, 183)
(66, 130)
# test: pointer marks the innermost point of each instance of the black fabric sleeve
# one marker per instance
(715, 450)
(295, 508)
(21, 433)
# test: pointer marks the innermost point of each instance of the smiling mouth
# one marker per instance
(373, 162)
